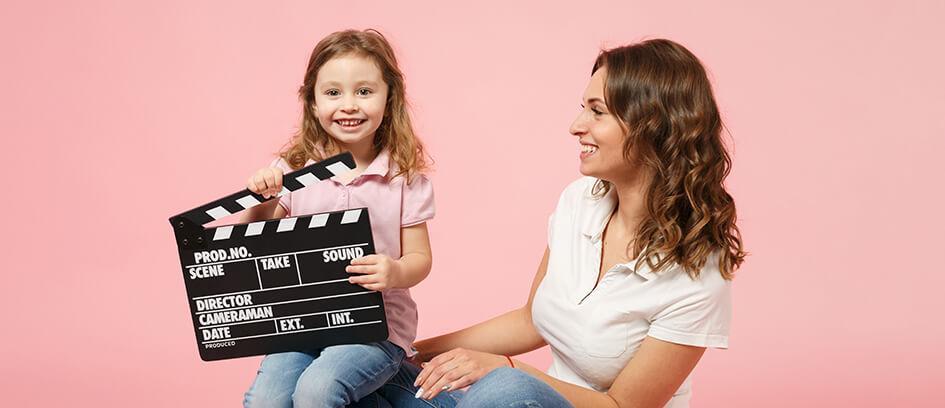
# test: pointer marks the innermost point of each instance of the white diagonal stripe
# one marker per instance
(337, 168)
(218, 212)
(283, 192)
(318, 221)
(248, 201)
(223, 233)
(286, 224)
(255, 228)
(351, 216)
(307, 179)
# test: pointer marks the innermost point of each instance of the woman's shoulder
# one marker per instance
(578, 196)
(578, 190)
(709, 280)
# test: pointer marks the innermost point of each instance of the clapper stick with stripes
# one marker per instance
(278, 285)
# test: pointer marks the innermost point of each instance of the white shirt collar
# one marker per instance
(593, 226)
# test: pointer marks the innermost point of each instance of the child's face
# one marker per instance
(350, 98)
(599, 133)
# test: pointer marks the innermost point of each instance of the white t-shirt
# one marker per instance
(594, 332)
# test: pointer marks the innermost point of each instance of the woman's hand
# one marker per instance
(266, 182)
(456, 369)
(378, 272)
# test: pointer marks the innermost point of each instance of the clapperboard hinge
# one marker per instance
(188, 226)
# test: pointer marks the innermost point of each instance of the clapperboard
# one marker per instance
(277, 285)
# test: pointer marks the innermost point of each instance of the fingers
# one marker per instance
(444, 372)
(266, 182)
(369, 282)
(448, 381)
(362, 265)
(366, 260)
(363, 268)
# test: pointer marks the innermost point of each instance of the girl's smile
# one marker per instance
(350, 124)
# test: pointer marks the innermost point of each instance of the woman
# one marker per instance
(635, 282)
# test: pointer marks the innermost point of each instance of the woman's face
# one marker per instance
(600, 135)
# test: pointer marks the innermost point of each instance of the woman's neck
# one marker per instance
(631, 203)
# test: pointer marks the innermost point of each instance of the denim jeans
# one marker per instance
(503, 387)
(335, 376)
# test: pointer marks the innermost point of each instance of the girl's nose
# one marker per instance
(349, 105)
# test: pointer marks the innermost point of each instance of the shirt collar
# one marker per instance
(600, 211)
(380, 166)
(593, 227)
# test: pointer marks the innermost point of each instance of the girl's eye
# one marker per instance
(364, 92)
(332, 92)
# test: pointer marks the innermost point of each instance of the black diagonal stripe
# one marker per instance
(199, 215)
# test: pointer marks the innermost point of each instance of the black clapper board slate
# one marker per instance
(277, 285)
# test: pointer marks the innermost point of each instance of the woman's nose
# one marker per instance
(578, 127)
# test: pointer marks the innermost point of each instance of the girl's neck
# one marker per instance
(363, 154)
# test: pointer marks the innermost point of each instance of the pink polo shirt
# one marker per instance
(392, 205)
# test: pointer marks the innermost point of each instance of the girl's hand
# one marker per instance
(378, 271)
(455, 369)
(266, 182)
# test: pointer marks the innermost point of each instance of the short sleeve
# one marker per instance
(417, 204)
(701, 316)
(286, 200)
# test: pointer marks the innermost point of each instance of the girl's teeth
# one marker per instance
(350, 122)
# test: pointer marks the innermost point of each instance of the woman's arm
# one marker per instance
(463, 357)
(649, 379)
(511, 333)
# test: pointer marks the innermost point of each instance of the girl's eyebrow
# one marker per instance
(367, 82)
(359, 83)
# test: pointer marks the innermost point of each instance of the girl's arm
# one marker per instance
(416, 257)
(511, 333)
(380, 272)
(268, 182)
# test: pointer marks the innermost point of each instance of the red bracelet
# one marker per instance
(511, 364)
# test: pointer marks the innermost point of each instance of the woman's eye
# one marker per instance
(597, 111)
(364, 92)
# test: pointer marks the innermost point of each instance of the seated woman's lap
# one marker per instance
(506, 387)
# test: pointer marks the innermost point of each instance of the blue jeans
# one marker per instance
(503, 387)
(335, 376)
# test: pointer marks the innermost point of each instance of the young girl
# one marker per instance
(353, 100)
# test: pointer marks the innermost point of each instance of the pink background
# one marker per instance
(115, 117)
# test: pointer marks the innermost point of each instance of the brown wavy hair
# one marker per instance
(395, 131)
(662, 97)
